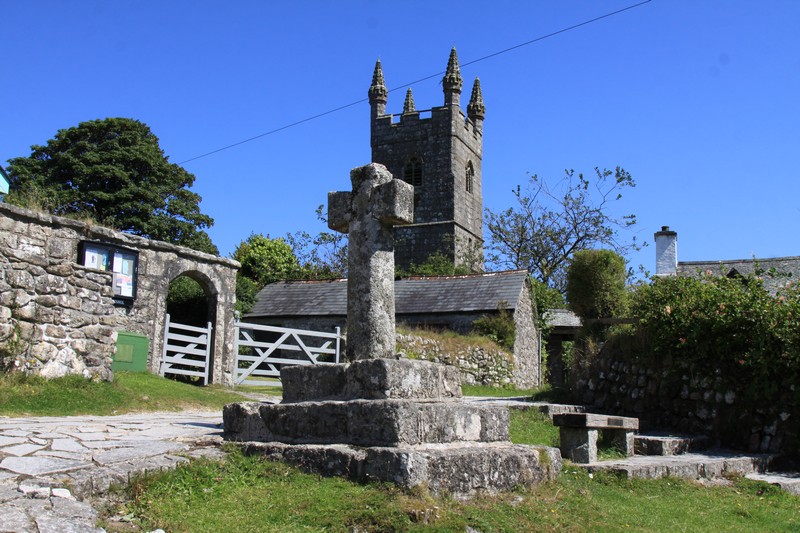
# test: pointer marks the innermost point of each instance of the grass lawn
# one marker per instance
(253, 494)
(22, 395)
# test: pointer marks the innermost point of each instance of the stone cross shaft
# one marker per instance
(376, 204)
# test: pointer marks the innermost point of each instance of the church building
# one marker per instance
(439, 152)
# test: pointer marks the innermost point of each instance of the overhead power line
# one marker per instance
(420, 80)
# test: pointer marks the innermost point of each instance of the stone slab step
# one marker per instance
(668, 444)
(367, 422)
(458, 469)
(708, 465)
(787, 481)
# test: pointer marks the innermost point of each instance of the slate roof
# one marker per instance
(416, 295)
(786, 269)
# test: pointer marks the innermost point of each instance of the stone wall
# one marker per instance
(477, 365)
(58, 317)
(665, 395)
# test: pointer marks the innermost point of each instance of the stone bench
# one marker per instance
(579, 433)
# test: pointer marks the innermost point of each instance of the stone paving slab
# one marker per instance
(40, 457)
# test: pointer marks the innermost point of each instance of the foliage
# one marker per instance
(551, 223)
(187, 302)
(596, 284)
(260, 495)
(323, 256)
(499, 327)
(29, 395)
(246, 294)
(437, 264)
(115, 172)
(719, 322)
(266, 260)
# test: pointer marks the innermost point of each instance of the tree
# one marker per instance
(323, 256)
(114, 172)
(266, 260)
(550, 224)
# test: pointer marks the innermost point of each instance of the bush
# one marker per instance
(596, 284)
(498, 327)
(719, 321)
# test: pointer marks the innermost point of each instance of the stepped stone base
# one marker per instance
(392, 420)
(458, 469)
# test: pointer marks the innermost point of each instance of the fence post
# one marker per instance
(338, 343)
(208, 353)
(163, 366)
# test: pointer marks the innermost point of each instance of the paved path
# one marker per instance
(40, 457)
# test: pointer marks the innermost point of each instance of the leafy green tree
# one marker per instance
(551, 223)
(113, 171)
(323, 256)
(596, 284)
(265, 260)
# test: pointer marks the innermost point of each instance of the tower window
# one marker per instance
(470, 177)
(412, 172)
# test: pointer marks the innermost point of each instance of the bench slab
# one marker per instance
(595, 421)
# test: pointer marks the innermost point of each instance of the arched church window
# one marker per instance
(412, 172)
(470, 177)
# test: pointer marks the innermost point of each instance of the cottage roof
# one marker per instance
(415, 295)
(776, 271)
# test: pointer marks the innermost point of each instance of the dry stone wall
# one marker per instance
(666, 395)
(477, 365)
(58, 317)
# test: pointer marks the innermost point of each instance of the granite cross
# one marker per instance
(376, 204)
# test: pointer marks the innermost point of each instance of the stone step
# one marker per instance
(708, 465)
(668, 444)
(367, 422)
(787, 481)
(457, 469)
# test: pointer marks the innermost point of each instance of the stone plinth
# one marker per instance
(377, 379)
(384, 422)
(400, 421)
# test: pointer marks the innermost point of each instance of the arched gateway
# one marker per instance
(68, 288)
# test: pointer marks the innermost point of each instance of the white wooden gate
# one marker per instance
(187, 350)
(261, 351)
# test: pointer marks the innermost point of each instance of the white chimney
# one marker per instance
(666, 252)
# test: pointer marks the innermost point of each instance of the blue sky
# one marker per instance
(698, 100)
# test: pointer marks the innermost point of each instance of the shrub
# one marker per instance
(717, 320)
(596, 284)
(498, 327)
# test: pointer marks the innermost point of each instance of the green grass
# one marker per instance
(22, 395)
(529, 426)
(253, 494)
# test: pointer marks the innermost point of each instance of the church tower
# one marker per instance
(439, 152)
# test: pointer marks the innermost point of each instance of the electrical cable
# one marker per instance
(415, 82)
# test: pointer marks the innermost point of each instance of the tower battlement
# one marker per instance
(440, 155)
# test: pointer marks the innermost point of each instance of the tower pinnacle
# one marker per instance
(408, 105)
(378, 94)
(452, 81)
(476, 110)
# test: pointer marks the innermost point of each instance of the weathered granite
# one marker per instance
(458, 469)
(385, 422)
(371, 379)
(376, 204)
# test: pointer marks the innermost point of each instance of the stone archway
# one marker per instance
(69, 308)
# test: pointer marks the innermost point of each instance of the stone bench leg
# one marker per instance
(579, 445)
(622, 439)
